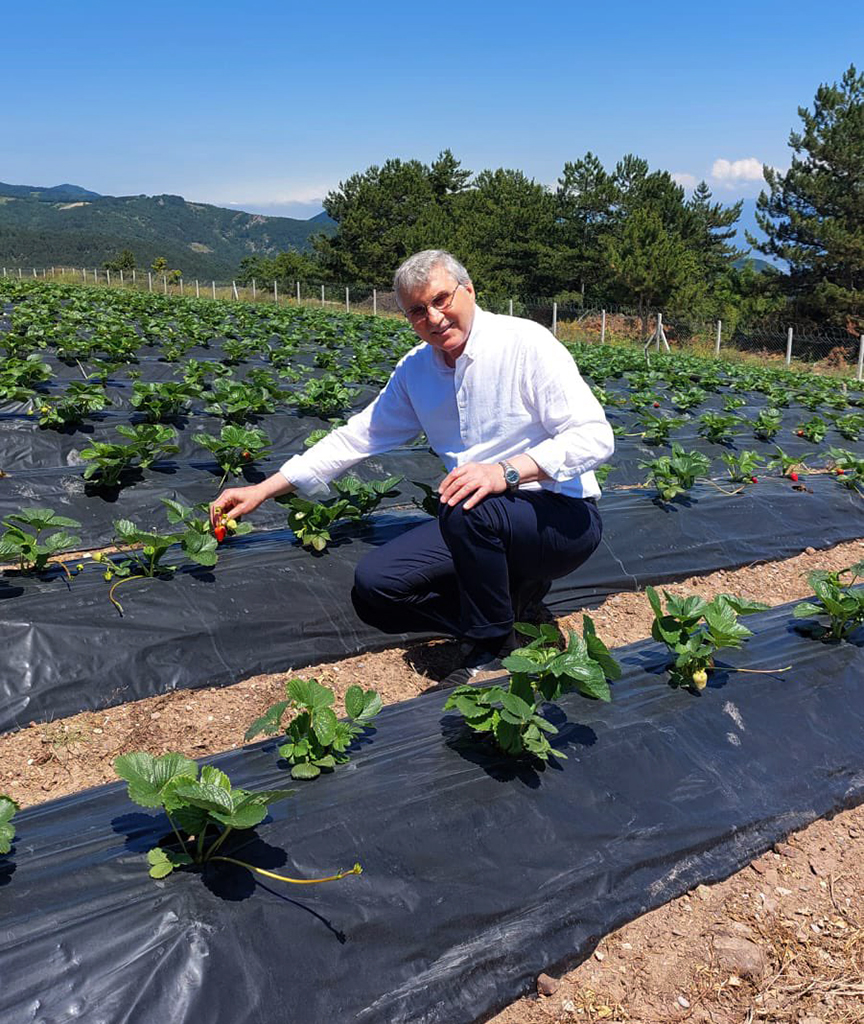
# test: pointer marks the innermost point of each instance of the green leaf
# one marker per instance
(162, 862)
(269, 723)
(598, 651)
(305, 771)
(324, 725)
(309, 693)
(517, 707)
(148, 776)
(8, 807)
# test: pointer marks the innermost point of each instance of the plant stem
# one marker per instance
(356, 870)
(176, 833)
(758, 671)
(114, 586)
(217, 842)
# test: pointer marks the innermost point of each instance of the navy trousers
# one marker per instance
(458, 575)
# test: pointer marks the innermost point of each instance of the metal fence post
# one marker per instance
(254, 290)
(298, 293)
(789, 347)
(275, 293)
(511, 307)
(197, 289)
(347, 301)
(374, 302)
(133, 276)
(602, 326)
(719, 336)
(555, 319)
(149, 281)
(164, 284)
(213, 283)
(322, 293)
(181, 285)
(121, 277)
(234, 286)
(107, 276)
(34, 273)
(860, 374)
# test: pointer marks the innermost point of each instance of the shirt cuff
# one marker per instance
(309, 485)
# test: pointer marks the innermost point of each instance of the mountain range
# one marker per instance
(66, 225)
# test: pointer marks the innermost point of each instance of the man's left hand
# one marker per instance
(473, 481)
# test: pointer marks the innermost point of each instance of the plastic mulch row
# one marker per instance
(479, 871)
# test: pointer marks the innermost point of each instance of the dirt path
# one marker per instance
(782, 940)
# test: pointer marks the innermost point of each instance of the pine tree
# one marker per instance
(813, 215)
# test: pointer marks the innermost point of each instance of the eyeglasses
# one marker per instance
(441, 303)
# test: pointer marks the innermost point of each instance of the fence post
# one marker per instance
(275, 293)
(107, 276)
(164, 284)
(52, 271)
(34, 273)
(133, 276)
(121, 277)
(719, 336)
(96, 275)
(322, 293)
(4, 271)
(214, 288)
(511, 307)
(149, 280)
(789, 347)
(555, 319)
(374, 302)
(860, 358)
(254, 290)
(181, 285)
(197, 289)
(234, 286)
(602, 326)
(347, 301)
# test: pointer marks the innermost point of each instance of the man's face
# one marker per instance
(446, 329)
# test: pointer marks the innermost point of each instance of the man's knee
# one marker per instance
(456, 521)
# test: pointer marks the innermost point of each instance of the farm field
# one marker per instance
(106, 404)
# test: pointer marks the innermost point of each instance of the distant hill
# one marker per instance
(758, 265)
(66, 225)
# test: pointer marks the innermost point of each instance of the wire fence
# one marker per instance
(829, 350)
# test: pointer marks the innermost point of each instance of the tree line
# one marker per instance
(629, 236)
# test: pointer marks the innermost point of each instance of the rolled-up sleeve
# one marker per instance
(580, 437)
(388, 421)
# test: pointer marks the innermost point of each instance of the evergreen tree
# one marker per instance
(813, 215)
(585, 197)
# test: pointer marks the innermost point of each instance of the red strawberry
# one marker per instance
(219, 532)
(754, 480)
(247, 455)
(793, 477)
(656, 405)
(800, 433)
(840, 472)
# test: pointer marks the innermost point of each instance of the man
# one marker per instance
(504, 406)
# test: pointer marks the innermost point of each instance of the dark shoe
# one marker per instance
(478, 658)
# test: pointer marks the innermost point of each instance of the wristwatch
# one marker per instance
(511, 476)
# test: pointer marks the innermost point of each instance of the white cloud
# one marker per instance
(735, 172)
(685, 179)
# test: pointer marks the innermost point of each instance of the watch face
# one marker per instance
(512, 477)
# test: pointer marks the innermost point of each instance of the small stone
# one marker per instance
(97, 731)
(599, 956)
(682, 1001)
(781, 890)
(787, 850)
(809, 551)
(626, 945)
(760, 866)
(817, 867)
(740, 956)
(734, 981)
(155, 714)
(568, 1006)
(703, 892)
(547, 986)
(815, 927)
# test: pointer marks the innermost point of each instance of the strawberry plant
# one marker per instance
(8, 807)
(676, 473)
(149, 441)
(202, 810)
(310, 521)
(24, 541)
(847, 468)
(324, 397)
(688, 398)
(656, 429)
(162, 400)
(431, 500)
(850, 426)
(694, 630)
(237, 402)
(717, 427)
(315, 739)
(788, 464)
(235, 448)
(767, 424)
(742, 467)
(18, 376)
(80, 399)
(540, 673)
(316, 435)
(813, 430)
(839, 599)
(365, 497)
(733, 402)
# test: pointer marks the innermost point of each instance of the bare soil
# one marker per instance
(780, 941)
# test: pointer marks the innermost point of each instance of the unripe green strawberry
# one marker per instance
(700, 678)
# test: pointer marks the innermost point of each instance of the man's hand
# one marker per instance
(236, 502)
(474, 481)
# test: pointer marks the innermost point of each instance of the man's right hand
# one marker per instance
(239, 501)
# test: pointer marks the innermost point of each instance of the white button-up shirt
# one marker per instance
(514, 390)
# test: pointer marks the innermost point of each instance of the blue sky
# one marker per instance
(268, 106)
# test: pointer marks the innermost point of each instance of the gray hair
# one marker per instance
(417, 270)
